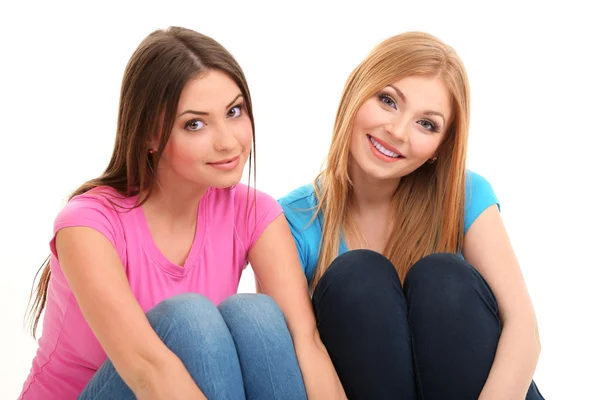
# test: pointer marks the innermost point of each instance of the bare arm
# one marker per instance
(275, 261)
(488, 249)
(97, 278)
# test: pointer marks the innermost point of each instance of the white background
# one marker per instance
(533, 69)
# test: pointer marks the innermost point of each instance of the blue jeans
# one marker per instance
(432, 337)
(241, 349)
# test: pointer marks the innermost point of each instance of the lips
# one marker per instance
(225, 161)
(385, 148)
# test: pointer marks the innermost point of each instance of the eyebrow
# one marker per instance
(403, 98)
(195, 112)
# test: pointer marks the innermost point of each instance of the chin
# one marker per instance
(226, 181)
(373, 171)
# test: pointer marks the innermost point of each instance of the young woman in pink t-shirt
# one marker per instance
(146, 259)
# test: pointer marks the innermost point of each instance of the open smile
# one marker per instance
(383, 150)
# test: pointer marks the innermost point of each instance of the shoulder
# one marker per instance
(253, 210)
(101, 209)
(299, 206)
(247, 198)
(96, 204)
(479, 195)
(299, 200)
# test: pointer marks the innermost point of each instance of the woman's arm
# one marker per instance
(97, 278)
(276, 264)
(488, 249)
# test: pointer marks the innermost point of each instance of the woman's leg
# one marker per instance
(192, 327)
(362, 318)
(267, 358)
(455, 327)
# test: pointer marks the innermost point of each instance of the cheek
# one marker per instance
(184, 151)
(243, 133)
(368, 115)
(424, 146)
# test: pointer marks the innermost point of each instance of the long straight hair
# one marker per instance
(152, 84)
(429, 202)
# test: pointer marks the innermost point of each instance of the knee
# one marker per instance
(183, 306)
(444, 281)
(245, 312)
(358, 274)
(188, 314)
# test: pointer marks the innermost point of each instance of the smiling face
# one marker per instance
(212, 134)
(400, 128)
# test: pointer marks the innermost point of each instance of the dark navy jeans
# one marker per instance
(436, 338)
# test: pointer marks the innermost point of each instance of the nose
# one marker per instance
(397, 128)
(225, 140)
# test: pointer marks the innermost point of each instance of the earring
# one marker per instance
(432, 160)
(151, 151)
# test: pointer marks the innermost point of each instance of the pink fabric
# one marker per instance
(68, 353)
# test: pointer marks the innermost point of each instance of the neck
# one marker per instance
(370, 194)
(174, 201)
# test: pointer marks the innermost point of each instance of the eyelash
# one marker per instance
(433, 128)
(432, 125)
(240, 106)
(188, 124)
(383, 96)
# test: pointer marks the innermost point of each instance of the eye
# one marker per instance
(194, 125)
(235, 111)
(387, 100)
(430, 126)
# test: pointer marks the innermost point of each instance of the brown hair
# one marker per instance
(430, 200)
(152, 84)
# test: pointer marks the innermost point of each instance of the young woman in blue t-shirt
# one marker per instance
(416, 288)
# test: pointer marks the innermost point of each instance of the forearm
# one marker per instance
(319, 375)
(515, 362)
(160, 378)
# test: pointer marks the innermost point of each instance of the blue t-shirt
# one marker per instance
(299, 207)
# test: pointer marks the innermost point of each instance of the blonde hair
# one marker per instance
(430, 200)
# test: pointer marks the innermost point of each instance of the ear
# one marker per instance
(152, 145)
(154, 140)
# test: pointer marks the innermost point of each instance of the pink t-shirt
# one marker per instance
(69, 354)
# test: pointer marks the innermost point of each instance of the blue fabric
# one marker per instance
(300, 204)
(241, 349)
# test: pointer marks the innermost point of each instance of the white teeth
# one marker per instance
(382, 149)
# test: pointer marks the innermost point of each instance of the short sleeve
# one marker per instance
(479, 196)
(256, 211)
(299, 207)
(92, 211)
(297, 226)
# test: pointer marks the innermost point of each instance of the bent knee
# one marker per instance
(359, 272)
(250, 311)
(439, 268)
(185, 310)
(255, 304)
(445, 280)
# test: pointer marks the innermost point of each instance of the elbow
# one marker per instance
(142, 373)
(534, 343)
(525, 331)
(537, 341)
(138, 374)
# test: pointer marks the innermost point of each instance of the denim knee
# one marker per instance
(252, 311)
(188, 316)
(358, 273)
(445, 281)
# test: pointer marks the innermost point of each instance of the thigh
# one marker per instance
(362, 320)
(267, 358)
(191, 326)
